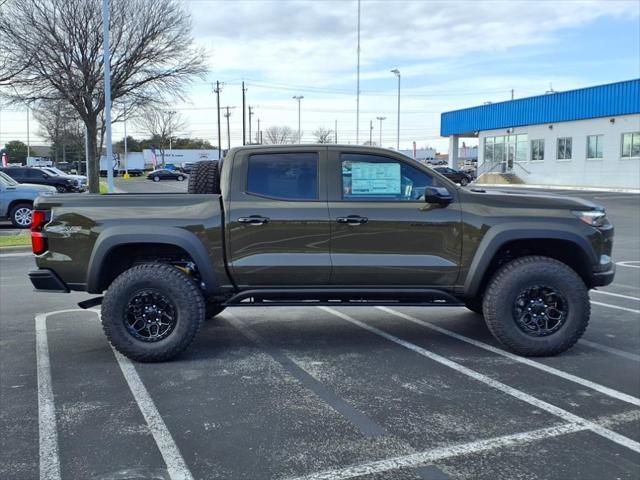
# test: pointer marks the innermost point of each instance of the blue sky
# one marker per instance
(452, 54)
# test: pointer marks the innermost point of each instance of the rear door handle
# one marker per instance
(353, 220)
(254, 220)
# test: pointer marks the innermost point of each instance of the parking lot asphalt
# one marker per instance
(321, 393)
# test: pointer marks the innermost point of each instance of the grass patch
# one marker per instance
(103, 187)
(22, 239)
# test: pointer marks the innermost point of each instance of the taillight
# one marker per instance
(38, 238)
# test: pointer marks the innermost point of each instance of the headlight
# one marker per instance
(594, 218)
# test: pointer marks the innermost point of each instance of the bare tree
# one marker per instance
(52, 50)
(60, 124)
(323, 135)
(278, 135)
(162, 125)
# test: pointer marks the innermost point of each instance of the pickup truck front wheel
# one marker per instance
(152, 312)
(537, 306)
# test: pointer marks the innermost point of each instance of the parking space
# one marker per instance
(321, 393)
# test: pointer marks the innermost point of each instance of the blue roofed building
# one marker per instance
(588, 137)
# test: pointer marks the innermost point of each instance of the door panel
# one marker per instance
(278, 226)
(404, 240)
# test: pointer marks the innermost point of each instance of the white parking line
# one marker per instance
(616, 307)
(527, 361)
(176, 465)
(47, 428)
(602, 292)
(49, 458)
(518, 394)
(430, 456)
(629, 264)
(614, 351)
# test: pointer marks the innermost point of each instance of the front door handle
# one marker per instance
(254, 220)
(353, 220)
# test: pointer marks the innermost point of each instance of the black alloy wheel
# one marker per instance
(540, 310)
(150, 316)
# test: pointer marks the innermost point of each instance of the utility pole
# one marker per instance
(358, 83)
(126, 161)
(227, 115)
(396, 72)
(336, 130)
(217, 91)
(250, 115)
(244, 123)
(107, 92)
(381, 119)
(258, 132)
(298, 98)
(370, 132)
(28, 138)
(512, 94)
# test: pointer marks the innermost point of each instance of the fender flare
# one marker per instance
(117, 236)
(499, 235)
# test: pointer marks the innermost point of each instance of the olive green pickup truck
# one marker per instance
(310, 225)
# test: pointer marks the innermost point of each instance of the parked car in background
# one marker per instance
(187, 167)
(454, 175)
(16, 200)
(82, 180)
(164, 174)
(40, 177)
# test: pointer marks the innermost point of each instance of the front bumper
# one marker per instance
(602, 278)
(47, 280)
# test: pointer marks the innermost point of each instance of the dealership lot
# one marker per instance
(319, 393)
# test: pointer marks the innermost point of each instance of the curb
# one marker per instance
(17, 248)
(560, 187)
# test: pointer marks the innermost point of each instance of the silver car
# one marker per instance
(16, 199)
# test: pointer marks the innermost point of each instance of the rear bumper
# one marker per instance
(47, 280)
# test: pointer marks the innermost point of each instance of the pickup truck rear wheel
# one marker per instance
(152, 312)
(205, 178)
(537, 306)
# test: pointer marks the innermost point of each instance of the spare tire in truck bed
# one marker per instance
(205, 177)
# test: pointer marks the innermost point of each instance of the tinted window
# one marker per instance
(289, 176)
(373, 177)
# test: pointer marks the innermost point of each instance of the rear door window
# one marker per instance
(283, 176)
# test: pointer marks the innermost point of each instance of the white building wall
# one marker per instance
(610, 171)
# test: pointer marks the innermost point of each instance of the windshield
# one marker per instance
(7, 180)
(55, 171)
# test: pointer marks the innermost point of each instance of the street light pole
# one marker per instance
(381, 119)
(370, 132)
(396, 72)
(217, 90)
(298, 98)
(107, 92)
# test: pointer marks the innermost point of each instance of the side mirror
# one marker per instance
(437, 195)
(44, 175)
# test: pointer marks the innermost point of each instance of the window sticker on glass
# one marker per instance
(375, 178)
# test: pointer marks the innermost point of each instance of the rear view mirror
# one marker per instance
(437, 195)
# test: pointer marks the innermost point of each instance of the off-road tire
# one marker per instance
(474, 304)
(212, 309)
(525, 272)
(175, 284)
(205, 178)
(17, 212)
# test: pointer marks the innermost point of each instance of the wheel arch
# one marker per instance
(117, 239)
(504, 243)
